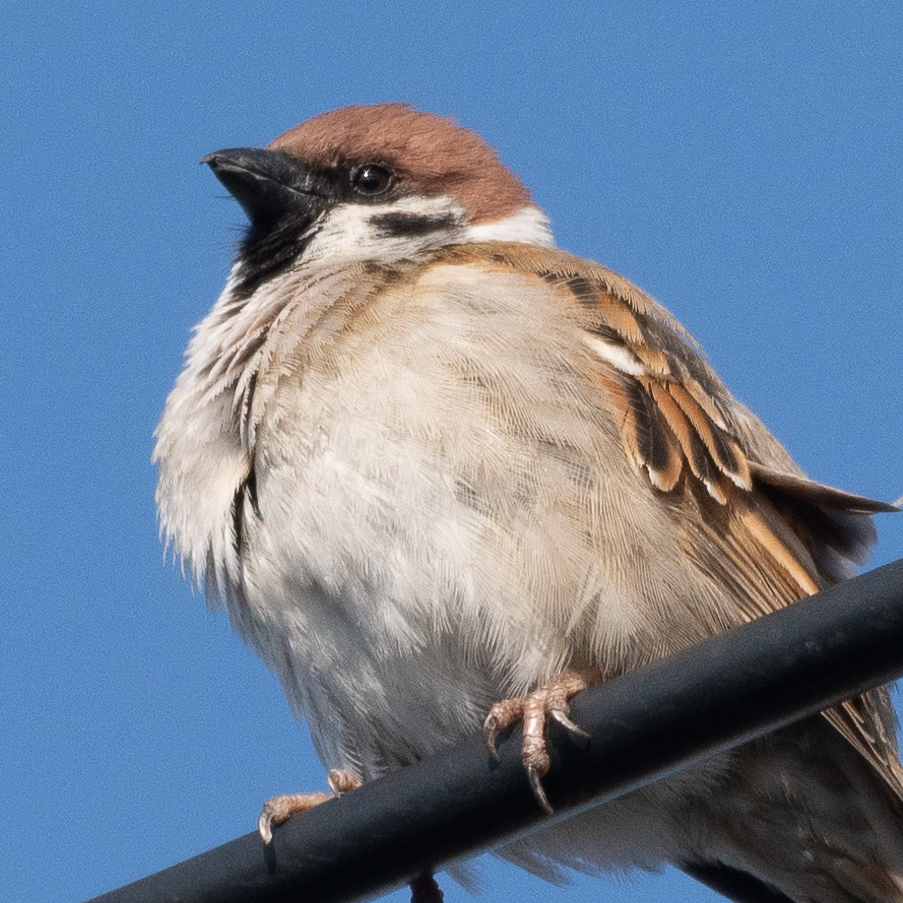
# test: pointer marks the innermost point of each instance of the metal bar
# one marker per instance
(643, 725)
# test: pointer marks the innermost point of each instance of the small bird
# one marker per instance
(444, 476)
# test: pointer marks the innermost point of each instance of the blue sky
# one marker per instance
(740, 161)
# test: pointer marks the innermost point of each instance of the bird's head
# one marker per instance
(372, 183)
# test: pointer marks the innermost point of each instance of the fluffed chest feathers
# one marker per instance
(421, 517)
(388, 567)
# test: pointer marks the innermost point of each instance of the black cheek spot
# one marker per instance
(410, 225)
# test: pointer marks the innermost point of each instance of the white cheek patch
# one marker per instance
(529, 226)
(353, 232)
(358, 232)
(616, 355)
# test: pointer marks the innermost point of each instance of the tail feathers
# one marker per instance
(741, 887)
(809, 818)
(848, 883)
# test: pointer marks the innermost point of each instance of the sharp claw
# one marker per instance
(489, 733)
(265, 825)
(569, 725)
(549, 699)
(279, 809)
(536, 787)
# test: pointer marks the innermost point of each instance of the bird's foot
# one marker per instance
(425, 889)
(548, 700)
(280, 808)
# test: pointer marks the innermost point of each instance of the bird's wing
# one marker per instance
(753, 521)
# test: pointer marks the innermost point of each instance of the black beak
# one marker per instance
(267, 183)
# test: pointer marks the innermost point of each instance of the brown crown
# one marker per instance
(429, 153)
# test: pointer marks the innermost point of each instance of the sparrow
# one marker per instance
(444, 476)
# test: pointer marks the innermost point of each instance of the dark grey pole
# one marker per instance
(645, 724)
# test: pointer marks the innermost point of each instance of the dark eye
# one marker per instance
(371, 179)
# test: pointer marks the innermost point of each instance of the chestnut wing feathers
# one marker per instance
(754, 522)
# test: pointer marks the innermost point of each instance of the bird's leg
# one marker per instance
(280, 808)
(548, 700)
(425, 889)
